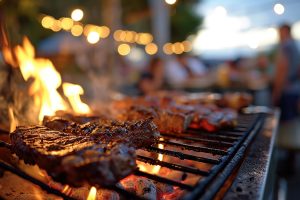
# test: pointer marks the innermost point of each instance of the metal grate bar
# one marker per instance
(232, 133)
(196, 148)
(34, 181)
(178, 167)
(215, 137)
(124, 193)
(223, 133)
(183, 155)
(254, 127)
(163, 180)
(199, 140)
(54, 191)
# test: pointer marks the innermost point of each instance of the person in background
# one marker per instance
(192, 65)
(265, 67)
(286, 87)
(152, 79)
(286, 90)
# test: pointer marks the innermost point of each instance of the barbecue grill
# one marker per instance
(224, 149)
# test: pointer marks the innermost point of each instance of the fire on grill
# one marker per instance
(163, 146)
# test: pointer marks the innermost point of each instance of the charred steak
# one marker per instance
(95, 155)
(166, 120)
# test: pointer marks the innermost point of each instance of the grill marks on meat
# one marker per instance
(173, 117)
(138, 134)
(166, 120)
(212, 119)
(99, 154)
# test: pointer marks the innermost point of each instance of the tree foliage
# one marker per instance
(23, 16)
(184, 20)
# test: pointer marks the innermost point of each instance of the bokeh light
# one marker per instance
(93, 37)
(77, 14)
(104, 31)
(187, 46)
(144, 38)
(88, 28)
(130, 36)
(66, 23)
(167, 48)
(77, 30)
(177, 48)
(151, 48)
(171, 2)
(56, 26)
(278, 8)
(47, 21)
(123, 49)
(117, 35)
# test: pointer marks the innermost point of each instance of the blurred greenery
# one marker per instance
(184, 20)
(23, 16)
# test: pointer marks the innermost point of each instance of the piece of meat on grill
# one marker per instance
(138, 133)
(214, 120)
(166, 120)
(71, 159)
(98, 154)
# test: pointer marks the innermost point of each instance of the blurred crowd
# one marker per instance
(277, 74)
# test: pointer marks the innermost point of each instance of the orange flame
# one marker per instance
(13, 121)
(160, 157)
(73, 92)
(153, 169)
(46, 81)
(92, 194)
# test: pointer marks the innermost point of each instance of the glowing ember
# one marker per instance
(156, 168)
(73, 92)
(67, 190)
(153, 169)
(92, 194)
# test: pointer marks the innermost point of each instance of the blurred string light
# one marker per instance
(56, 26)
(66, 23)
(170, 2)
(177, 47)
(77, 14)
(151, 48)
(123, 49)
(144, 38)
(77, 30)
(167, 48)
(94, 33)
(278, 8)
(47, 21)
(103, 31)
(93, 37)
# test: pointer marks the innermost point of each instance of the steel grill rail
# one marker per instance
(228, 146)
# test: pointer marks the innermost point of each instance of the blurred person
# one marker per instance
(228, 73)
(286, 91)
(175, 72)
(152, 79)
(265, 67)
(193, 66)
(182, 68)
(286, 87)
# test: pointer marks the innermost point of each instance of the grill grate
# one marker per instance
(224, 151)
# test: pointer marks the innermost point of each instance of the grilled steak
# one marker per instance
(98, 154)
(138, 134)
(213, 120)
(166, 120)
